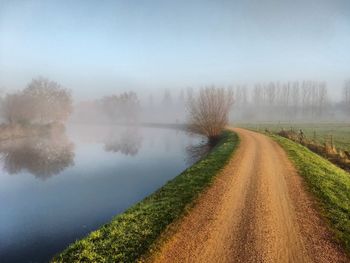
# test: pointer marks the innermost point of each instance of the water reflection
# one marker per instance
(42, 157)
(127, 141)
(39, 219)
(197, 151)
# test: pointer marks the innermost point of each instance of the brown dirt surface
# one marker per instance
(257, 210)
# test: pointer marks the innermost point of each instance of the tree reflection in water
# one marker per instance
(42, 157)
(127, 141)
(197, 152)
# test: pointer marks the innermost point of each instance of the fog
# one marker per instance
(98, 49)
(104, 102)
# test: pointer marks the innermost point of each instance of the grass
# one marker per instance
(131, 234)
(330, 184)
(339, 131)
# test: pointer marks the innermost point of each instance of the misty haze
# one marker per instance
(175, 131)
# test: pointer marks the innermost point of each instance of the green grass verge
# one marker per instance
(330, 184)
(130, 234)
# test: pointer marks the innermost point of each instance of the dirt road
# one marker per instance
(256, 211)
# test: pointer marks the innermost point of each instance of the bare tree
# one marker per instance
(257, 95)
(208, 112)
(189, 93)
(295, 98)
(150, 101)
(167, 98)
(346, 94)
(181, 97)
(322, 98)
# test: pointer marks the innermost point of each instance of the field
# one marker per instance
(320, 132)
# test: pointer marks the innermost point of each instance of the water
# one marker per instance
(58, 189)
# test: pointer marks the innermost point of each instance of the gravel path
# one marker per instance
(256, 211)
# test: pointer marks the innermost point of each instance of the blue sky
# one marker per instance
(101, 47)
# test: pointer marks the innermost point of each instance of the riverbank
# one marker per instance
(131, 234)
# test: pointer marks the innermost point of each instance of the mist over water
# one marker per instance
(56, 190)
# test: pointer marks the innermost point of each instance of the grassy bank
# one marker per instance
(330, 184)
(129, 235)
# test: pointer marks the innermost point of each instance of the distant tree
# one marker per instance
(181, 97)
(189, 94)
(208, 112)
(243, 96)
(150, 101)
(257, 95)
(123, 107)
(295, 94)
(50, 102)
(322, 98)
(167, 98)
(271, 94)
(346, 94)
(42, 101)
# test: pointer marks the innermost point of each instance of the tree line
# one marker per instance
(122, 107)
(306, 100)
(290, 99)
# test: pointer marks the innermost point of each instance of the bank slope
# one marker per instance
(329, 183)
(130, 234)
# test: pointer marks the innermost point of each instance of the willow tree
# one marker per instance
(209, 111)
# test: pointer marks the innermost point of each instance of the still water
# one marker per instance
(56, 189)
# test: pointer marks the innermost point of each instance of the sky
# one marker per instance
(101, 47)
